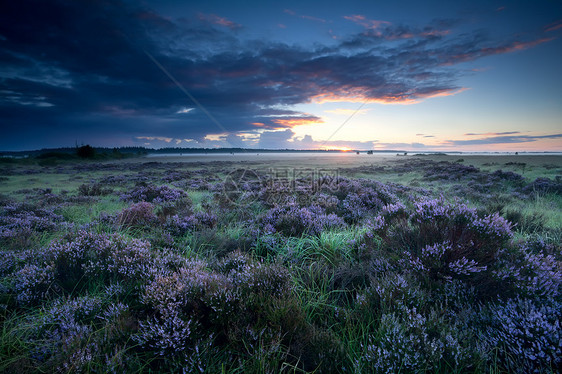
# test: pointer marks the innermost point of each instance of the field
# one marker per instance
(268, 264)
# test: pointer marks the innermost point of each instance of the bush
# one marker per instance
(291, 220)
(525, 335)
(137, 215)
(69, 266)
(154, 194)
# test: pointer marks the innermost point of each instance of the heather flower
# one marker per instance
(154, 194)
(353, 208)
(444, 261)
(294, 221)
(33, 283)
(20, 221)
(531, 274)
(169, 335)
(526, 334)
(407, 343)
(179, 225)
(396, 210)
(494, 226)
(99, 256)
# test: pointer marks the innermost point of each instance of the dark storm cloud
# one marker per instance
(78, 69)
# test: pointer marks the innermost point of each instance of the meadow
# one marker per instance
(358, 264)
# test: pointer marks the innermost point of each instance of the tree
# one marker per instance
(86, 151)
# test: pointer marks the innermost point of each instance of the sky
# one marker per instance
(480, 75)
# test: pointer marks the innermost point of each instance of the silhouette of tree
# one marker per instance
(86, 151)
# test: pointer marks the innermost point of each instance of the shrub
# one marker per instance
(408, 342)
(88, 257)
(155, 194)
(294, 221)
(180, 225)
(531, 274)
(525, 335)
(86, 329)
(33, 283)
(238, 304)
(137, 215)
(443, 241)
(20, 219)
(94, 189)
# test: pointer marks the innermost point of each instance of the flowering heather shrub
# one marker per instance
(19, 221)
(154, 194)
(180, 225)
(95, 257)
(139, 214)
(353, 209)
(410, 343)
(328, 202)
(526, 335)
(271, 281)
(181, 302)
(170, 335)
(494, 227)
(508, 175)
(196, 303)
(394, 211)
(449, 239)
(294, 221)
(544, 185)
(531, 274)
(206, 219)
(33, 283)
(359, 198)
(442, 261)
(374, 226)
(443, 170)
(8, 262)
(72, 326)
(397, 292)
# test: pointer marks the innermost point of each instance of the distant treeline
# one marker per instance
(139, 151)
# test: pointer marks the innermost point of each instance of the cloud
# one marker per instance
(292, 121)
(90, 76)
(402, 146)
(553, 26)
(214, 19)
(184, 110)
(311, 18)
(275, 139)
(492, 133)
(365, 22)
(502, 139)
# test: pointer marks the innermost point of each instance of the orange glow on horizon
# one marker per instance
(336, 148)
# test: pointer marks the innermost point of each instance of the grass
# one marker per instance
(86, 213)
